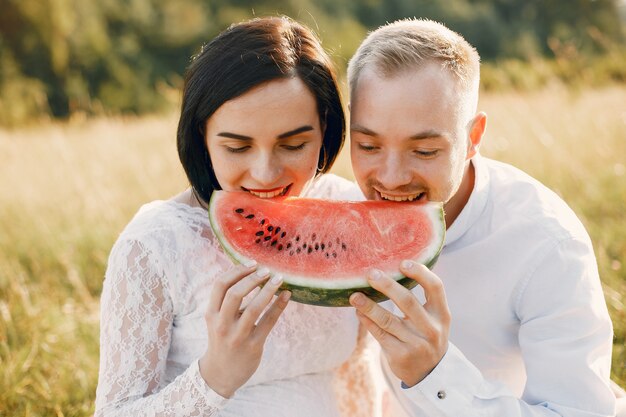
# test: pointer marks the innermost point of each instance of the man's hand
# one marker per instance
(413, 344)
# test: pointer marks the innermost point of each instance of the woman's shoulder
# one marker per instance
(162, 220)
(160, 232)
(334, 187)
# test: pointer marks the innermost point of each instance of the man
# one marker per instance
(512, 320)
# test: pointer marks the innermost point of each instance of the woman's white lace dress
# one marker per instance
(156, 288)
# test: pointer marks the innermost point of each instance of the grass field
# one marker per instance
(67, 190)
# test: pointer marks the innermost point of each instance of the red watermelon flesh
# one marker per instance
(324, 248)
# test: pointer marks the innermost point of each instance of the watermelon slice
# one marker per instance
(323, 248)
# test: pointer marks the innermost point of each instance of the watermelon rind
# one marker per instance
(339, 297)
(329, 293)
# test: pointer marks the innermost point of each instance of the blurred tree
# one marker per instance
(59, 57)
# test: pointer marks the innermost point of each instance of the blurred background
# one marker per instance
(89, 95)
(63, 57)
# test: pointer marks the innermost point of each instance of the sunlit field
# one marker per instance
(67, 190)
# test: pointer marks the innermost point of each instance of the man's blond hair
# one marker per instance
(408, 44)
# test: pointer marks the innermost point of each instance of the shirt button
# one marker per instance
(441, 394)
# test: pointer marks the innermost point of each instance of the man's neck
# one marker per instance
(456, 204)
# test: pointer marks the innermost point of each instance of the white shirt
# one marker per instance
(530, 332)
(158, 280)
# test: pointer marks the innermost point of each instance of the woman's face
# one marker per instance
(266, 141)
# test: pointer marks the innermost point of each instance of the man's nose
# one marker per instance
(394, 172)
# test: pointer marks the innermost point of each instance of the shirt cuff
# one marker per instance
(211, 397)
(451, 386)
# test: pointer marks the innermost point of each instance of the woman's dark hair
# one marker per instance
(242, 57)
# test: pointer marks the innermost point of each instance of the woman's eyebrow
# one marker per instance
(285, 135)
(234, 136)
(294, 132)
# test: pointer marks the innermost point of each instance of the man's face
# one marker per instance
(410, 135)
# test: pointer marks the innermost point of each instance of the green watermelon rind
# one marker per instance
(336, 297)
(340, 297)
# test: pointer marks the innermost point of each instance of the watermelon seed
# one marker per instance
(283, 234)
(313, 236)
(273, 242)
(239, 210)
(298, 250)
(290, 253)
(266, 238)
(327, 255)
(270, 228)
(330, 245)
(257, 241)
(310, 249)
(298, 238)
(343, 246)
(279, 247)
(277, 230)
(334, 254)
(288, 245)
(304, 246)
(323, 246)
(259, 233)
(250, 216)
(262, 222)
(317, 247)
(337, 240)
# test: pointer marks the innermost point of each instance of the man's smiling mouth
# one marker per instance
(401, 197)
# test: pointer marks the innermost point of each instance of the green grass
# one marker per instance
(67, 190)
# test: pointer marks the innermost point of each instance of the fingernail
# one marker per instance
(375, 275)
(249, 263)
(357, 299)
(262, 272)
(276, 279)
(407, 264)
(285, 295)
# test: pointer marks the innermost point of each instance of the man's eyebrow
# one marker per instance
(294, 132)
(427, 134)
(362, 129)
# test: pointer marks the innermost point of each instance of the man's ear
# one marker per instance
(476, 132)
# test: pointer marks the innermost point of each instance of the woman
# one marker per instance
(182, 331)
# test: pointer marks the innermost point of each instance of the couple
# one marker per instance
(511, 322)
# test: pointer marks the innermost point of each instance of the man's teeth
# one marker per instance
(409, 197)
(270, 194)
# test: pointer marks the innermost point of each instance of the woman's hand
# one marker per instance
(416, 343)
(237, 335)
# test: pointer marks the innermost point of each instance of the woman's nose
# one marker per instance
(266, 170)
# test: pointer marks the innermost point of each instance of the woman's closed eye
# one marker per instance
(237, 149)
(294, 147)
(241, 149)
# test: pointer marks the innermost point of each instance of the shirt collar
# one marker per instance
(475, 204)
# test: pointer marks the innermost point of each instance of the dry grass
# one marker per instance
(67, 190)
